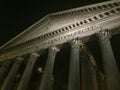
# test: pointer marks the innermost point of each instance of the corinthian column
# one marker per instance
(74, 72)
(11, 76)
(4, 70)
(112, 77)
(27, 72)
(47, 78)
(88, 74)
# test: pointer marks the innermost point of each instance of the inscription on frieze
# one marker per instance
(77, 29)
(72, 35)
(54, 41)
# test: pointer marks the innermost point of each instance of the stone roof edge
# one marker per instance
(47, 16)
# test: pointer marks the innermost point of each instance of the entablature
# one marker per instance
(90, 9)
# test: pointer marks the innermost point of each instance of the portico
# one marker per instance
(49, 35)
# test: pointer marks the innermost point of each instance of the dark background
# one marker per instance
(17, 15)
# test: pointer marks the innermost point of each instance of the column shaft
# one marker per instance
(74, 72)
(112, 77)
(4, 70)
(88, 74)
(47, 78)
(94, 78)
(27, 72)
(11, 76)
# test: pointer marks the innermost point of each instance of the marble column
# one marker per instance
(12, 74)
(4, 69)
(74, 71)
(27, 72)
(88, 73)
(112, 76)
(47, 78)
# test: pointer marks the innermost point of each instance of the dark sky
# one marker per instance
(17, 15)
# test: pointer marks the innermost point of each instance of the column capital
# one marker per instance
(35, 54)
(53, 48)
(104, 34)
(77, 43)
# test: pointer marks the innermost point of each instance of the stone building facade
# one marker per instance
(70, 29)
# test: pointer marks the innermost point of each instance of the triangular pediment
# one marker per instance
(56, 21)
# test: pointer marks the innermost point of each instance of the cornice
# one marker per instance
(108, 19)
(60, 36)
(81, 11)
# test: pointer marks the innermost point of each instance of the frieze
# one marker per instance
(81, 29)
(82, 10)
(43, 45)
(82, 23)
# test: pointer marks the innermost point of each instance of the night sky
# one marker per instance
(17, 15)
